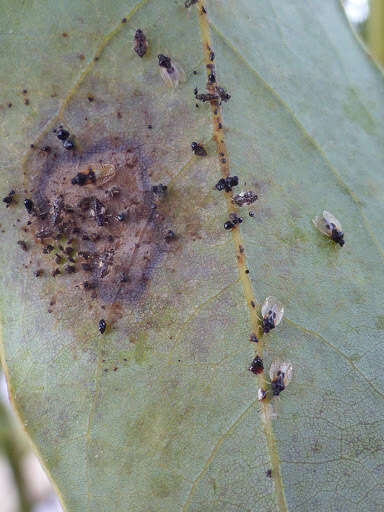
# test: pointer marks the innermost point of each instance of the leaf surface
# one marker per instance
(160, 413)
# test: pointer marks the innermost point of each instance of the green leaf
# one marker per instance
(160, 413)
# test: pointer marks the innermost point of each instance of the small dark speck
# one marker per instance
(68, 144)
(64, 34)
(9, 105)
(219, 126)
(105, 369)
(47, 149)
(211, 56)
(38, 272)
(253, 338)
(196, 105)
(149, 127)
(22, 245)
(124, 20)
(170, 235)
(223, 160)
(81, 56)
(203, 10)
(269, 473)
(96, 59)
(56, 272)
(247, 271)
(24, 91)
(251, 213)
(115, 369)
(119, 116)
(195, 72)
(70, 269)
(58, 259)
(211, 78)
(26, 101)
(31, 146)
(125, 359)
(91, 98)
(253, 304)
(123, 278)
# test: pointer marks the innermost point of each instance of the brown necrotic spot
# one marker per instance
(104, 248)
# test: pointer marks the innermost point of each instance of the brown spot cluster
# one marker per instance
(107, 230)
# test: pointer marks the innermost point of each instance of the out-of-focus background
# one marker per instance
(24, 486)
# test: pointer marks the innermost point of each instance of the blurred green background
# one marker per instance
(23, 484)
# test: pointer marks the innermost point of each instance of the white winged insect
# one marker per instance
(280, 373)
(329, 226)
(272, 312)
(171, 72)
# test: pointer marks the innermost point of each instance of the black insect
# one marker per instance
(272, 312)
(227, 183)
(257, 365)
(102, 326)
(22, 245)
(141, 44)
(278, 384)
(159, 189)
(29, 206)
(9, 198)
(253, 338)
(211, 56)
(165, 62)
(211, 78)
(198, 149)
(62, 134)
(120, 217)
(83, 178)
(189, 3)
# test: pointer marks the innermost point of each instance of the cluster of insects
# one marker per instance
(272, 312)
(172, 74)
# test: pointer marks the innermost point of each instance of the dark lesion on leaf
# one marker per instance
(103, 248)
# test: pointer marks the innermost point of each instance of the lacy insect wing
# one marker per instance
(271, 304)
(284, 367)
(331, 221)
(326, 223)
(321, 224)
(172, 77)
